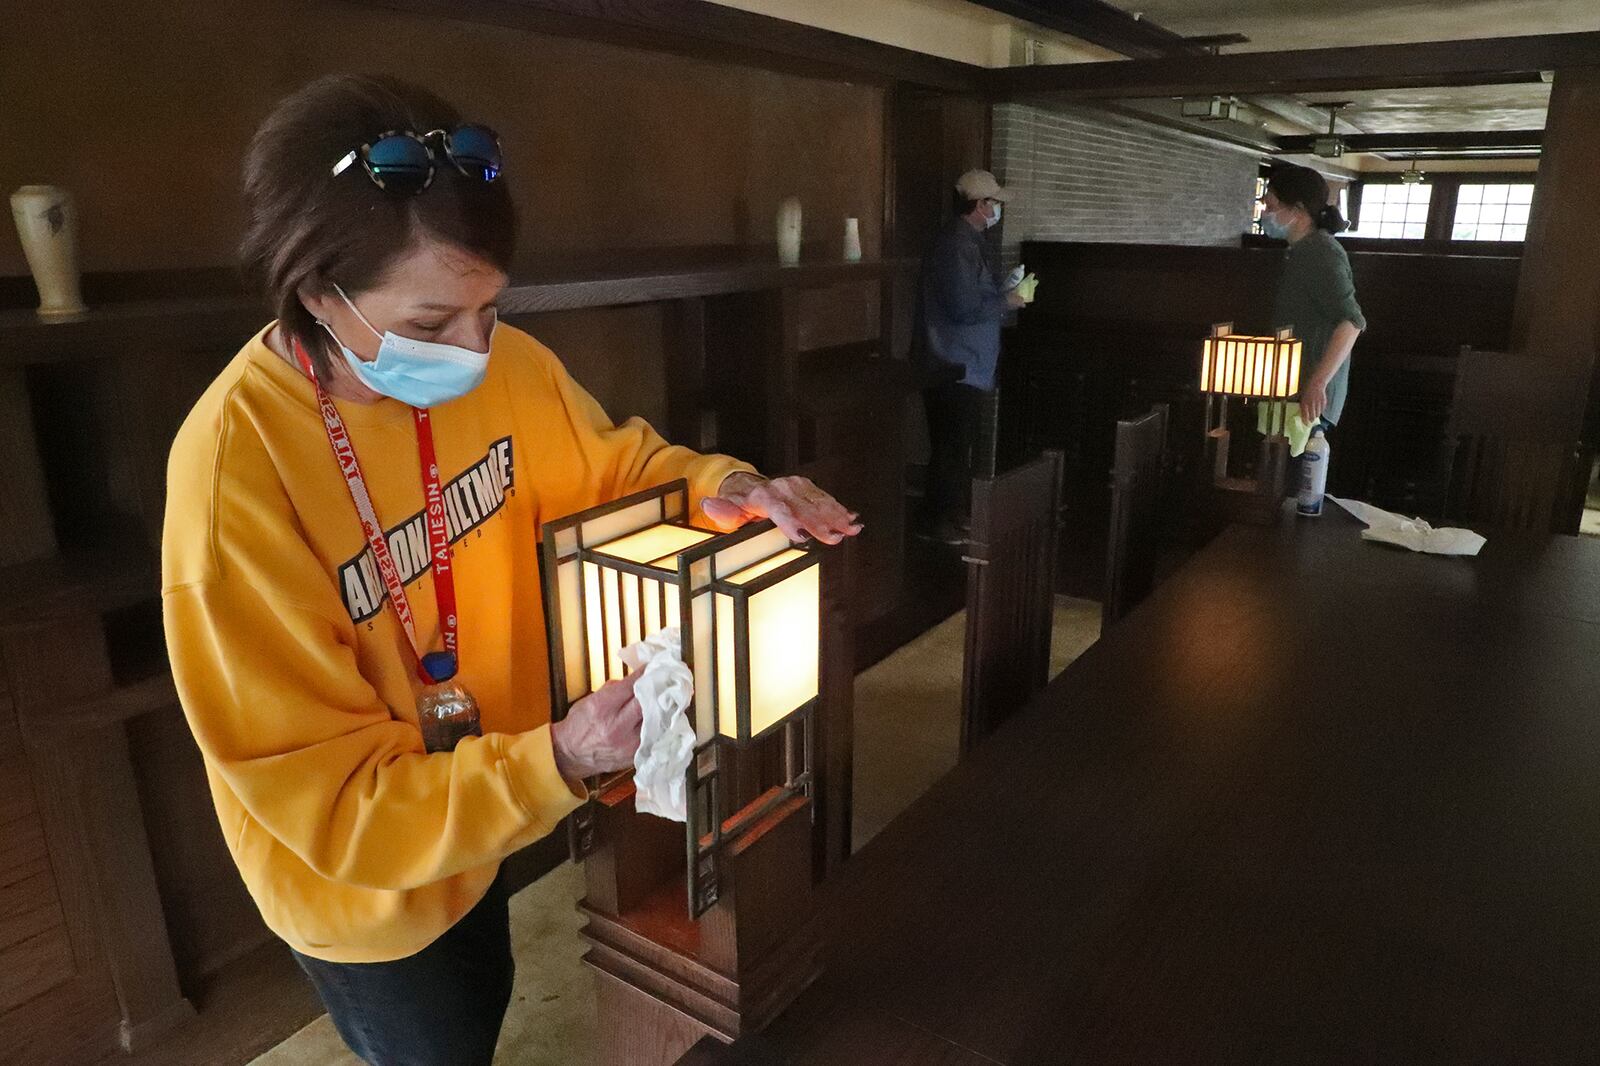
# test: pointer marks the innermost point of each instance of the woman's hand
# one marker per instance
(794, 504)
(601, 732)
(1313, 400)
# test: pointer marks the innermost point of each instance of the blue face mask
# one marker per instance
(1273, 228)
(417, 373)
(992, 222)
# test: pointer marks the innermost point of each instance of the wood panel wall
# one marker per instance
(148, 109)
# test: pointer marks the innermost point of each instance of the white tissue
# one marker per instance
(1411, 533)
(666, 739)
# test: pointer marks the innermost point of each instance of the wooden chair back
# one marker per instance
(1136, 492)
(1512, 462)
(1011, 562)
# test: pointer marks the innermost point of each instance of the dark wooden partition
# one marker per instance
(1117, 328)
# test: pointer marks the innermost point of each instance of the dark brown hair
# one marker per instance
(1302, 187)
(308, 228)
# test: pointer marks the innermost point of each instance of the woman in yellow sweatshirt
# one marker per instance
(363, 486)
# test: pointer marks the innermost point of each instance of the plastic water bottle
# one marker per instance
(1314, 474)
(446, 710)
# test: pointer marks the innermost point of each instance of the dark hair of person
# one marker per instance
(310, 229)
(1304, 188)
(961, 204)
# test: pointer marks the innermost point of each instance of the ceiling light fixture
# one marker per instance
(1331, 146)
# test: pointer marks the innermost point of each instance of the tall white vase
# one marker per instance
(852, 240)
(47, 222)
(789, 231)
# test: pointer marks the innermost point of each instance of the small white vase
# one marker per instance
(47, 222)
(789, 231)
(852, 240)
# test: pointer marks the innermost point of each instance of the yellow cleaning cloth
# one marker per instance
(1026, 288)
(1297, 429)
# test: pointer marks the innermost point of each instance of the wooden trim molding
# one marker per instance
(710, 31)
(1391, 66)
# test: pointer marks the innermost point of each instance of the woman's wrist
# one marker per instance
(739, 483)
(567, 766)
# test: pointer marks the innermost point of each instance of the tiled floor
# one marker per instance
(907, 711)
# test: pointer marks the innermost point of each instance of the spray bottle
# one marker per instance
(1314, 473)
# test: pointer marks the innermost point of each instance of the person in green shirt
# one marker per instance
(1316, 295)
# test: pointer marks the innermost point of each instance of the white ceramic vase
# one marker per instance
(789, 231)
(852, 240)
(47, 222)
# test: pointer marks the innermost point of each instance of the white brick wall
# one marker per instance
(1087, 175)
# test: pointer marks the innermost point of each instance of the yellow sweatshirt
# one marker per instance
(298, 681)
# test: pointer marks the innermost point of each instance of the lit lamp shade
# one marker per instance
(1266, 368)
(748, 605)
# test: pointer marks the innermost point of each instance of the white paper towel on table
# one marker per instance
(666, 739)
(1413, 533)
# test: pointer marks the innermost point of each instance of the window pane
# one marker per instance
(1467, 213)
(1471, 194)
(1522, 194)
(1517, 214)
(1515, 233)
(1463, 233)
(1493, 213)
(1489, 233)
(1416, 232)
(1417, 213)
(1495, 194)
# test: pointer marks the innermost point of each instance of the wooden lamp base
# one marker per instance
(1257, 500)
(666, 980)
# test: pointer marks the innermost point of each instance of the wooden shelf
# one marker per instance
(575, 282)
(834, 386)
(117, 705)
(566, 288)
(114, 329)
(77, 582)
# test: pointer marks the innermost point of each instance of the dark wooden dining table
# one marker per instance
(1316, 800)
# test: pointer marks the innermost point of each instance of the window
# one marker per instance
(1396, 211)
(1492, 213)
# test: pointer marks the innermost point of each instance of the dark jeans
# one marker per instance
(441, 1007)
(955, 418)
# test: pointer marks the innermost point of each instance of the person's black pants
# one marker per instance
(442, 1006)
(955, 418)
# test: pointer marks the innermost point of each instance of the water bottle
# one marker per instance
(446, 711)
(1314, 474)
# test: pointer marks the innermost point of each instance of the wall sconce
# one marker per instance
(748, 604)
(1252, 368)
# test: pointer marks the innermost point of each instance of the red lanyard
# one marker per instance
(444, 582)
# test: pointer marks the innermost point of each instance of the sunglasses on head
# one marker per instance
(402, 161)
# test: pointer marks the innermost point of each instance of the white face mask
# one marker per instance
(418, 373)
(990, 223)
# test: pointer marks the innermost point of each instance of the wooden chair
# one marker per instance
(1136, 494)
(1010, 593)
(1511, 461)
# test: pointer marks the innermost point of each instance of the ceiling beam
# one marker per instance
(711, 31)
(1228, 133)
(1307, 117)
(1455, 141)
(1431, 64)
(1098, 23)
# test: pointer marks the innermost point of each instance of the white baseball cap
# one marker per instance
(980, 185)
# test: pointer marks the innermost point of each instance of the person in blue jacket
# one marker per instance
(960, 307)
